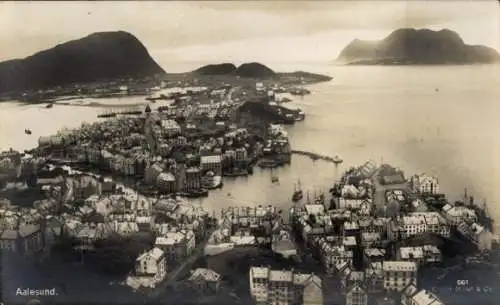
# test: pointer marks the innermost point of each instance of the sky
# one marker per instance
(240, 31)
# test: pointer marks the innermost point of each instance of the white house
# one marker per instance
(152, 264)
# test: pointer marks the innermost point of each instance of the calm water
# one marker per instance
(439, 120)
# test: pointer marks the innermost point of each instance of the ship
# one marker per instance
(298, 194)
(27, 131)
(107, 114)
(49, 105)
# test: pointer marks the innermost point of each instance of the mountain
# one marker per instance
(254, 70)
(411, 46)
(248, 70)
(99, 56)
(217, 69)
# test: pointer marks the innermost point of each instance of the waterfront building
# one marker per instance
(284, 287)
(457, 214)
(398, 274)
(241, 155)
(356, 296)
(151, 264)
(193, 179)
(211, 163)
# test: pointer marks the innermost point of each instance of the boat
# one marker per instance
(27, 131)
(337, 160)
(107, 114)
(298, 194)
(274, 178)
(196, 194)
(131, 111)
(268, 164)
(49, 105)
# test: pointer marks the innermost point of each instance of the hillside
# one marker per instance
(410, 46)
(216, 69)
(99, 56)
(247, 70)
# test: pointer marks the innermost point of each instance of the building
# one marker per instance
(476, 233)
(284, 287)
(211, 163)
(152, 173)
(25, 240)
(356, 296)
(424, 184)
(170, 128)
(435, 223)
(176, 245)
(166, 183)
(151, 264)
(458, 214)
(373, 255)
(398, 275)
(411, 296)
(193, 179)
(204, 281)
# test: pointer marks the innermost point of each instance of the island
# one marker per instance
(410, 46)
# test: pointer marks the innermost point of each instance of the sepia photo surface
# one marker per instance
(250, 152)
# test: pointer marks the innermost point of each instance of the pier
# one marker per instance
(316, 156)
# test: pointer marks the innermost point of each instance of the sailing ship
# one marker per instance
(298, 194)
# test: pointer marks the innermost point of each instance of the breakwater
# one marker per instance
(316, 156)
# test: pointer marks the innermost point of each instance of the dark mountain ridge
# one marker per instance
(412, 46)
(249, 70)
(99, 56)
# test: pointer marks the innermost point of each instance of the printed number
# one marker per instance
(462, 282)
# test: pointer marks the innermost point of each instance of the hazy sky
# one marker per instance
(239, 31)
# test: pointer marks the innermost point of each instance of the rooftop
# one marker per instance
(399, 266)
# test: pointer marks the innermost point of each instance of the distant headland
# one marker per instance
(409, 46)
